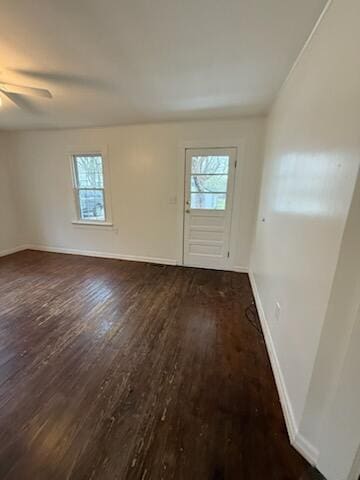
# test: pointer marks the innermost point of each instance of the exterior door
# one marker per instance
(209, 185)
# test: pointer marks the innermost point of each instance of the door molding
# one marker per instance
(239, 144)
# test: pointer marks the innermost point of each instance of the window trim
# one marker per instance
(77, 220)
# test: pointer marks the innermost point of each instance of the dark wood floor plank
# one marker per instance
(122, 370)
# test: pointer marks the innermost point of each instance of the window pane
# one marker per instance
(210, 164)
(209, 183)
(210, 201)
(91, 203)
(89, 171)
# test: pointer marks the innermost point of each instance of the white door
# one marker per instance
(209, 185)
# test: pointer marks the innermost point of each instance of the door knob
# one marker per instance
(187, 210)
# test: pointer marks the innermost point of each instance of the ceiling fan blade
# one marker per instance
(19, 89)
(20, 102)
(12, 97)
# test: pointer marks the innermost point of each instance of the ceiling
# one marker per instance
(111, 62)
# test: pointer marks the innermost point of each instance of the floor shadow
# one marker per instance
(312, 474)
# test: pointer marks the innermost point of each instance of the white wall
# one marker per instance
(336, 336)
(312, 157)
(9, 226)
(341, 435)
(335, 386)
(144, 175)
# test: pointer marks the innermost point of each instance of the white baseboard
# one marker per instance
(240, 269)
(298, 441)
(222, 269)
(90, 253)
(117, 256)
(306, 448)
(9, 251)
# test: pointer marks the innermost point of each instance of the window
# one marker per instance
(89, 187)
(209, 181)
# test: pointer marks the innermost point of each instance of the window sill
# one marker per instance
(92, 224)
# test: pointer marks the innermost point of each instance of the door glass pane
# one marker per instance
(209, 183)
(209, 201)
(210, 164)
(91, 204)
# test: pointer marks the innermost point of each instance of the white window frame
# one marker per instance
(106, 189)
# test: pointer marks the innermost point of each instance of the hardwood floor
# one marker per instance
(123, 370)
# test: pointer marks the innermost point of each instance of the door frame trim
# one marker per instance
(239, 144)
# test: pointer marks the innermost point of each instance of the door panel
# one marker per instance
(209, 184)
